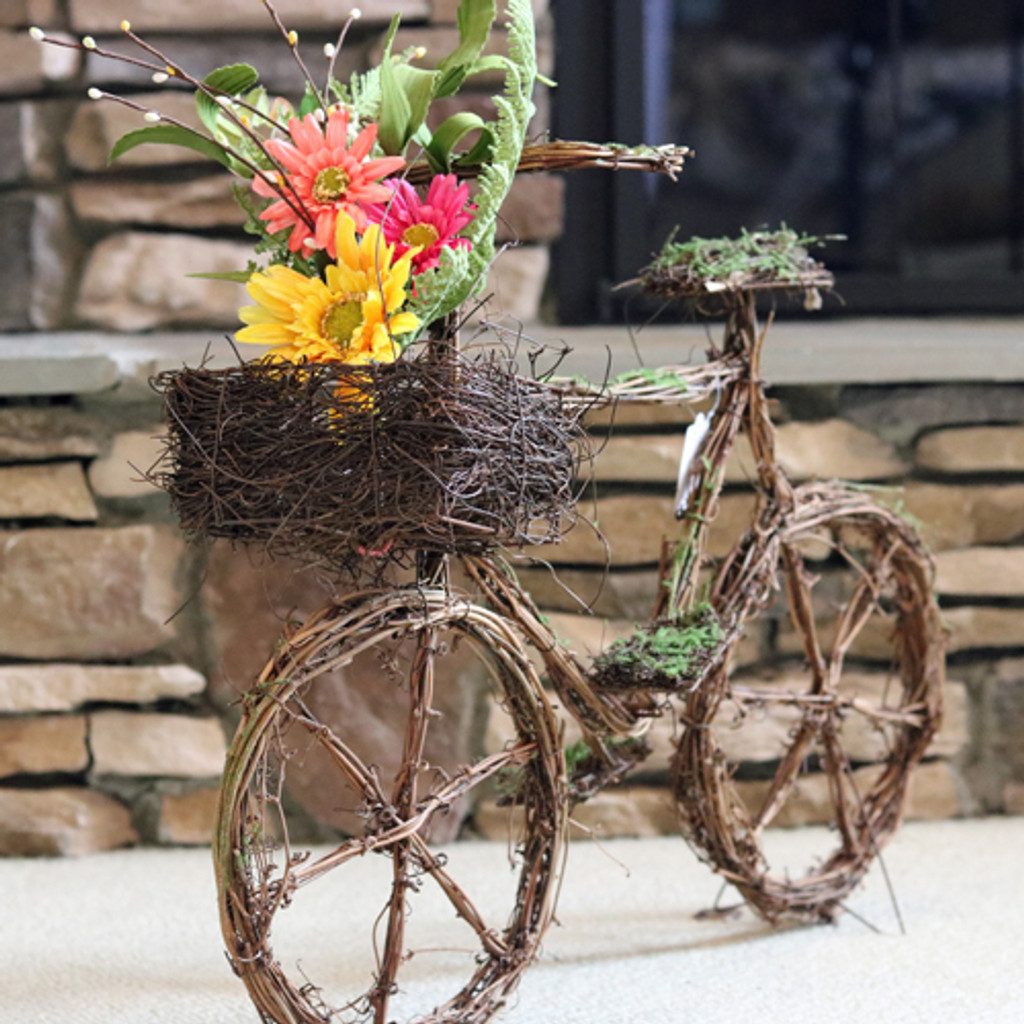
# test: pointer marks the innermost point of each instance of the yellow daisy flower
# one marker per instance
(351, 316)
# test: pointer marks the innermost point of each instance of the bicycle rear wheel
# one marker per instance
(872, 670)
(259, 873)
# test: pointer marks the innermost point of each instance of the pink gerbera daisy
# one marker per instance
(327, 176)
(430, 224)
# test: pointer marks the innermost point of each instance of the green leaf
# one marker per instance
(422, 136)
(241, 276)
(395, 108)
(231, 79)
(171, 135)
(309, 102)
(495, 62)
(451, 132)
(405, 97)
(418, 86)
(462, 272)
(363, 92)
(450, 82)
(407, 92)
(475, 18)
(480, 152)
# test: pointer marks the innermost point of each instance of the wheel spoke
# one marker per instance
(382, 840)
(421, 701)
(859, 609)
(840, 776)
(363, 779)
(798, 586)
(801, 610)
(434, 866)
(909, 715)
(403, 801)
(788, 770)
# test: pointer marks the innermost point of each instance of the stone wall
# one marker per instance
(105, 733)
(951, 458)
(108, 731)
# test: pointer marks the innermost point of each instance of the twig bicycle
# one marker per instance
(418, 631)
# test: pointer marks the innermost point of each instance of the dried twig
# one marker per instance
(560, 155)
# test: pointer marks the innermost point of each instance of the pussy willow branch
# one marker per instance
(286, 191)
(292, 40)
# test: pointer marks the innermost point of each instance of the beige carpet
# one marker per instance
(132, 938)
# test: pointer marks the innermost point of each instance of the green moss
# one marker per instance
(662, 654)
(575, 754)
(671, 649)
(782, 255)
(660, 377)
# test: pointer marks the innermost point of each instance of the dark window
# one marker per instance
(897, 123)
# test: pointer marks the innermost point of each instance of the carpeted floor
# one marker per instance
(132, 938)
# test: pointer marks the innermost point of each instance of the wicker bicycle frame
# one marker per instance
(768, 558)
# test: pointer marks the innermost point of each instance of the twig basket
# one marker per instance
(334, 463)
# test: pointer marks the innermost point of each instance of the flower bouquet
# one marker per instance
(360, 430)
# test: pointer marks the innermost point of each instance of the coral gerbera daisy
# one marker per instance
(351, 316)
(326, 176)
(429, 224)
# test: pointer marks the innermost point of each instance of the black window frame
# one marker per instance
(600, 97)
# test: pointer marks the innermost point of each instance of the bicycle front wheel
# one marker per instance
(492, 927)
(850, 719)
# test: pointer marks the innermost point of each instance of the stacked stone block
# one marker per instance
(111, 629)
(101, 722)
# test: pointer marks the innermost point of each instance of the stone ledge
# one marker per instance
(856, 351)
(807, 351)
